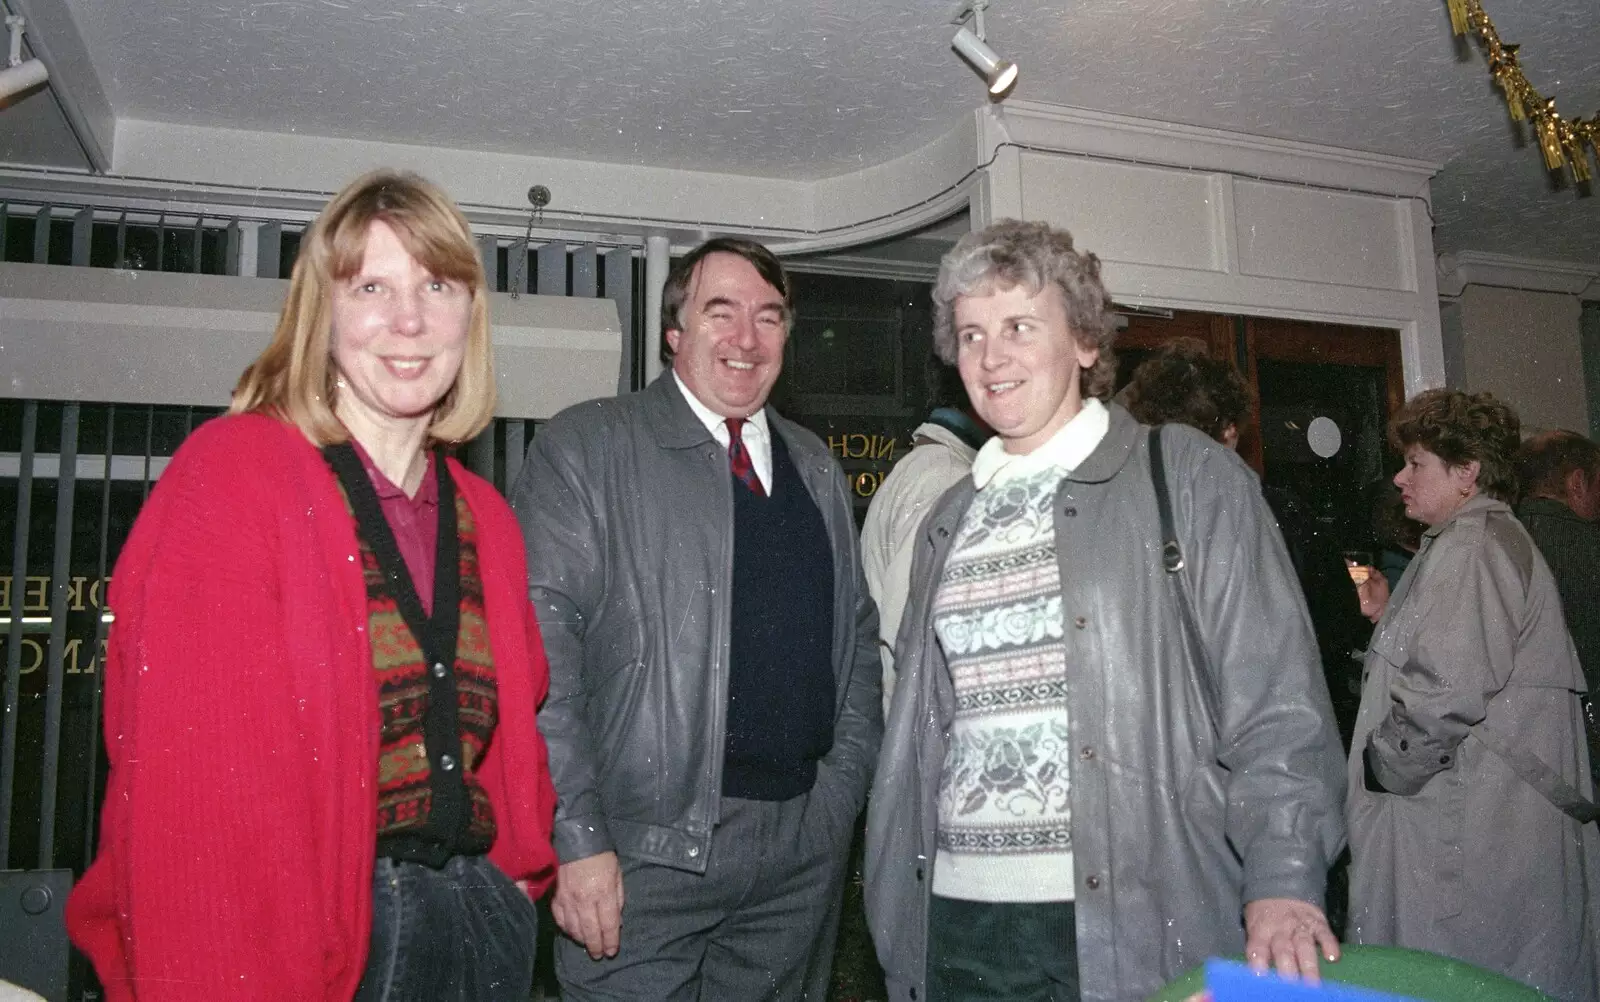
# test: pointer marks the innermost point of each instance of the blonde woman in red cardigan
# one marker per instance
(326, 779)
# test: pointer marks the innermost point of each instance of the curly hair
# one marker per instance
(1460, 428)
(1032, 255)
(1183, 384)
(1549, 458)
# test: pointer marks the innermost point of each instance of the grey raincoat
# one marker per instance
(1463, 857)
(1208, 767)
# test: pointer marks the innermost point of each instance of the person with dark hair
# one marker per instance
(1560, 474)
(1084, 790)
(1469, 770)
(326, 779)
(941, 454)
(713, 716)
(1183, 384)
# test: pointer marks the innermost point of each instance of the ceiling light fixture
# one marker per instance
(19, 76)
(1000, 74)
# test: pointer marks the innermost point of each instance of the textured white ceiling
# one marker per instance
(810, 88)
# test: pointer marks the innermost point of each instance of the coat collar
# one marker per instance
(1481, 504)
(1111, 455)
(670, 418)
(1548, 508)
(1105, 462)
(675, 425)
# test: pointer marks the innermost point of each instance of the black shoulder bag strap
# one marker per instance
(1173, 563)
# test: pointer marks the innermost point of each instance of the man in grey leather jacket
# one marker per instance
(1193, 782)
(713, 717)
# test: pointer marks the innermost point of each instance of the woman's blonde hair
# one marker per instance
(294, 378)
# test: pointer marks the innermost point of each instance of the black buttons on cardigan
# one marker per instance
(439, 669)
(1080, 622)
(1087, 754)
(1444, 759)
(1092, 882)
(447, 762)
(1405, 745)
(1069, 512)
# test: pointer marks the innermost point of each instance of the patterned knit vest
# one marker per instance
(435, 678)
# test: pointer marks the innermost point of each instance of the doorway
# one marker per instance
(1323, 395)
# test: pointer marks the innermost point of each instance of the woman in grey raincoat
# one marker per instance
(1469, 733)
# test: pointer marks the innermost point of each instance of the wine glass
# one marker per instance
(1359, 564)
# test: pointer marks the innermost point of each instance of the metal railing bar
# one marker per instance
(19, 572)
(55, 679)
(91, 813)
(46, 466)
(41, 236)
(149, 433)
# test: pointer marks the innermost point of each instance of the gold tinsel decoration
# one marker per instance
(1563, 141)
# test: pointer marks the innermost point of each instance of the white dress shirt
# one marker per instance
(755, 434)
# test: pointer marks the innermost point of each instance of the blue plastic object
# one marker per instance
(1230, 981)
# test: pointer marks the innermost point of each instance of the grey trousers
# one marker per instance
(759, 924)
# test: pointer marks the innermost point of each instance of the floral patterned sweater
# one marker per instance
(1005, 821)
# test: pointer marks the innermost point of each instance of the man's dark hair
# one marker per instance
(1182, 384)
(1547, 459)
(676, 291)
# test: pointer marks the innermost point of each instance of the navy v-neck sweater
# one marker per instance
(780, 678)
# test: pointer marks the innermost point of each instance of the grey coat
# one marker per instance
(1202, 780)
(1463, 857)
(627, 509)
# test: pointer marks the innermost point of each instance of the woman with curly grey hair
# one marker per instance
(1072, 800)
(1469, 771)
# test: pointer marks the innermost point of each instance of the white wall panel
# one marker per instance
(1226, 223)
(1527, 349)
(1312, 235)
(1123, 212)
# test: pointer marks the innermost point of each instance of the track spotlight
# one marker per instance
(19, 76)
(1000, 74)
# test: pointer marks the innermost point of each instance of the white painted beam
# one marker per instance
(111, 336)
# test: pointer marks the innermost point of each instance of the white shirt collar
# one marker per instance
(1065, 449)
(755, 435)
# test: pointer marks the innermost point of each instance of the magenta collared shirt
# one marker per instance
(413, 520)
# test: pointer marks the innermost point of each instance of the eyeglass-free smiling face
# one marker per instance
(399, 334)
(728, 349)
(1020, 362)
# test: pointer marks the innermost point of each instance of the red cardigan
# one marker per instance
(241, 718)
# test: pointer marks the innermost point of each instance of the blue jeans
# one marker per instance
(463, 933)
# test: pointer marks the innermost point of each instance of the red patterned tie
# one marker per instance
(739, 458)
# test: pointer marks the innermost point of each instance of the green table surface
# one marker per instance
(1415, 974)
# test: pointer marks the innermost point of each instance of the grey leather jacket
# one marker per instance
(626, 505)
(1208, 770)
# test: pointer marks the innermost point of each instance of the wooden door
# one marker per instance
(1349, 381)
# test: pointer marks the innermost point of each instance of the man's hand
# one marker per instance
(1287, 934)
(588, 903)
